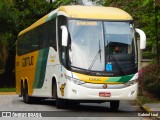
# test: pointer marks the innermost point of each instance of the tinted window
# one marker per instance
(40, 37)
(62, 50)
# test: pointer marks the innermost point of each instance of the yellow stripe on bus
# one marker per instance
(26, 69)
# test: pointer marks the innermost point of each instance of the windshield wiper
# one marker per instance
(95, 58)
(100, 50)
(77, 68)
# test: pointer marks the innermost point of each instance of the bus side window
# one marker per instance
(35, 40)
(62, 20)
(52, 34)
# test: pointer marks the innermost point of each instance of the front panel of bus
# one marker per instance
(102, 59)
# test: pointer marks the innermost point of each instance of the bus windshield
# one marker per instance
(102, 46)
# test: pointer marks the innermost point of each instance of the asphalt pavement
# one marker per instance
(153, 109)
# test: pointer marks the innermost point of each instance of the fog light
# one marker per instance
(74, 91)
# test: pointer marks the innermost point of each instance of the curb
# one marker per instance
(7, 93)
(146, 109)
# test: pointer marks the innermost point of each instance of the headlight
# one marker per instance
(74, 80)
(131, 82)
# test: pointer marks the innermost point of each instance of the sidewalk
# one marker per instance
(151, 108)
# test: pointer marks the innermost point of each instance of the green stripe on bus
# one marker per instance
(41, 68)
(120, 79)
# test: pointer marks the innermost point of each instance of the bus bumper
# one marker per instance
(77, 92)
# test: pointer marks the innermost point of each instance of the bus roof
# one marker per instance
(83, 12)
(40, 22)
(95, 12)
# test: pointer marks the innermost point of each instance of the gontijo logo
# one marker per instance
(27, 61)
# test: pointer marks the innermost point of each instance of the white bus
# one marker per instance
(79, 54)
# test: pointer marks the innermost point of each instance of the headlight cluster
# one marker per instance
(131, 82)
(74, 80)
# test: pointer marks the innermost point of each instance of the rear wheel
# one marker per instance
(21, 89)
(114, 105)
(26, 98)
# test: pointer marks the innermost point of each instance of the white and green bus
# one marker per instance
(79, 54)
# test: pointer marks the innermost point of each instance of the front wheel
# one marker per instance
(59, 102)
(114, 105)
(73, 104)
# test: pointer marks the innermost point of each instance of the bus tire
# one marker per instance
(59, 102)
(54, 89)
(23, 95)
(114, 105)
(22, 90)
(73, 104)
(26, 98)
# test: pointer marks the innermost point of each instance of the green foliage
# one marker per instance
(58, 3)
(8, 89)
(150, 79)
(31, 11)
(148, 55)
(16, 15)
(8, 25)
(149, 52)
(9, 17)
(145, 99)
(4, 43)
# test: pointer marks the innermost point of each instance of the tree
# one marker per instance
(8, 19)
(15, 15)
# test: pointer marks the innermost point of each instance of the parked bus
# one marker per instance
(79, 54)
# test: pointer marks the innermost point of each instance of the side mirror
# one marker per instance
(142, 38)
(64, 36)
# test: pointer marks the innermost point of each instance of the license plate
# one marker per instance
(104, 94)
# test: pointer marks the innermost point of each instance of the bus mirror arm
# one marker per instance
(142, 38)
(64, 36)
